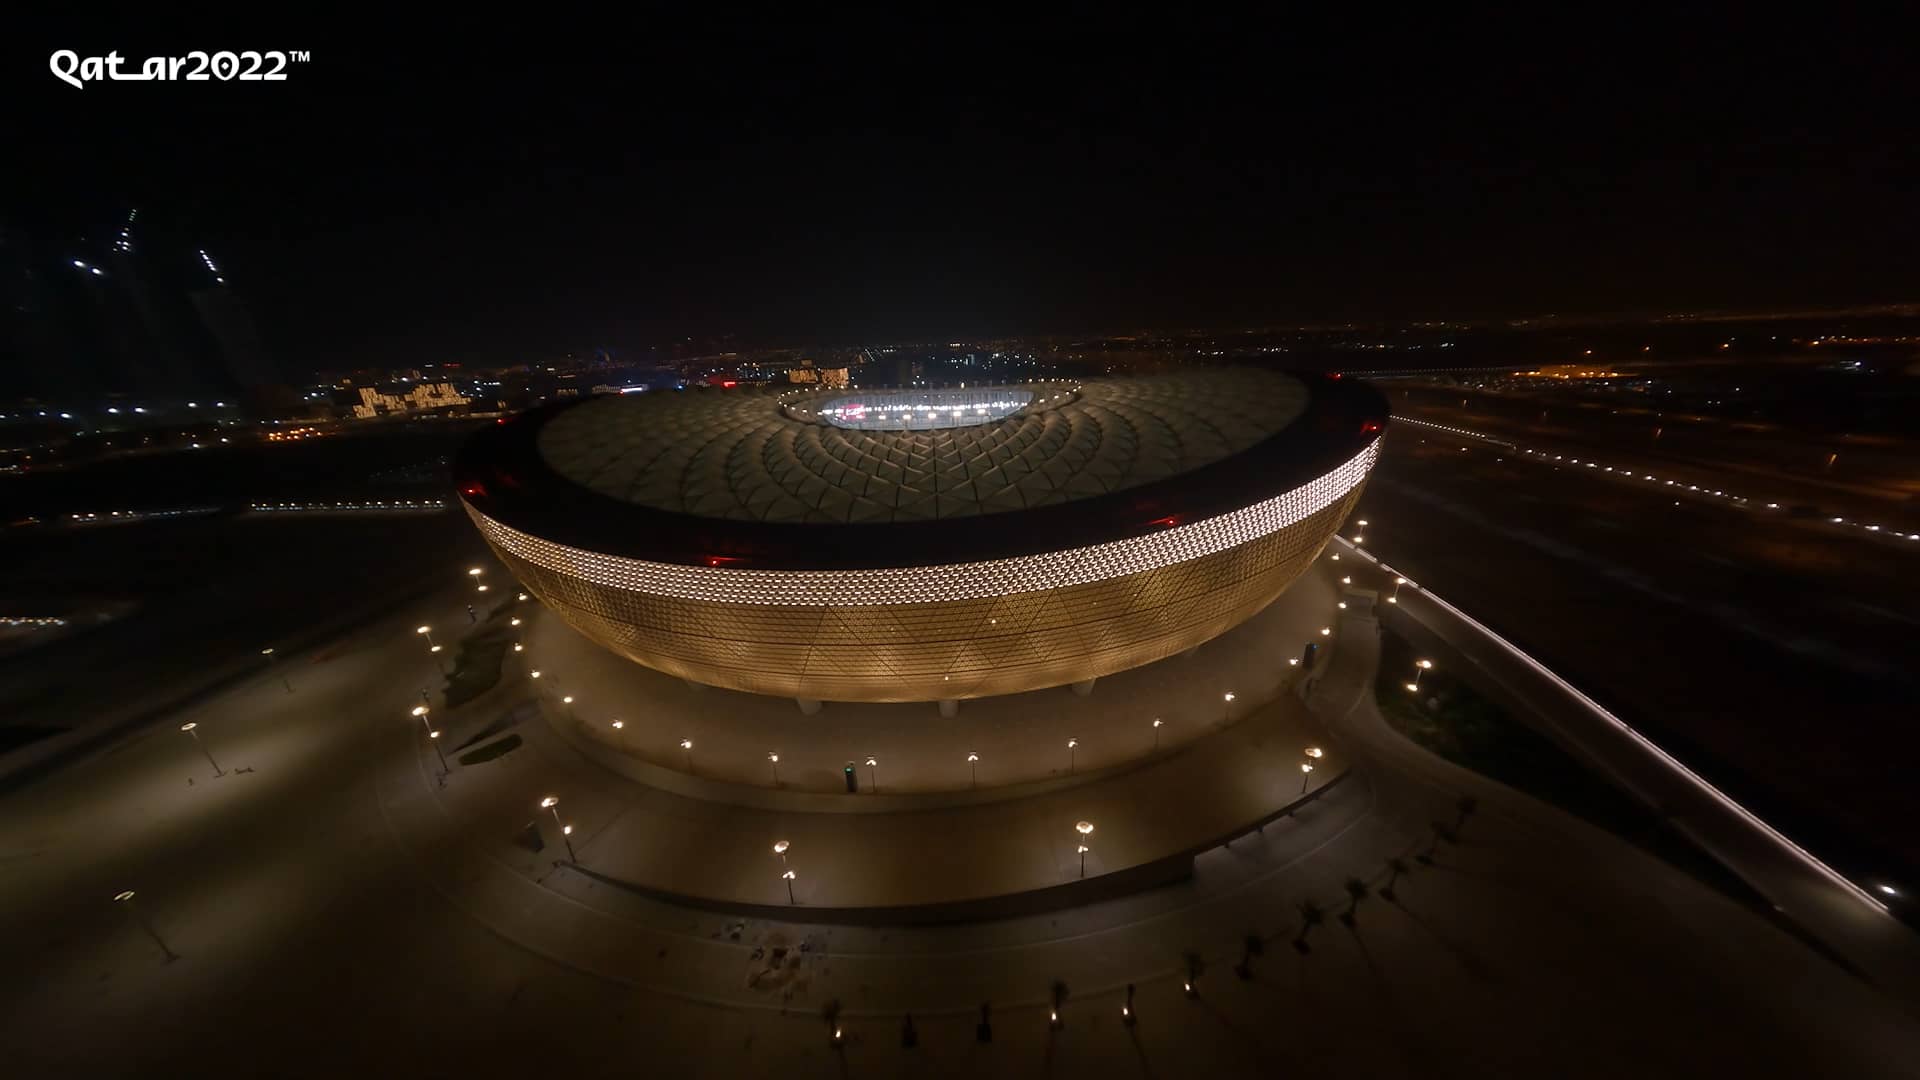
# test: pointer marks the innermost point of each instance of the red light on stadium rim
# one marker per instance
(1168, 522)
(1370, 427)
(473, 489)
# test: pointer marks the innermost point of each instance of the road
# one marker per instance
(1770, 656)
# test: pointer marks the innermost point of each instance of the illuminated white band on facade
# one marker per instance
(939, 584)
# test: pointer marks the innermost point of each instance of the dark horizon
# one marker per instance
(867, 183)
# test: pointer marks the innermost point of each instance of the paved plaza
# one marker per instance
(329, 877)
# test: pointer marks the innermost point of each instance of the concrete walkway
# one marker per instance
(1842, 914)
(951, 860)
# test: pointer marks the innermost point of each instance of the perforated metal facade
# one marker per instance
(921, 633)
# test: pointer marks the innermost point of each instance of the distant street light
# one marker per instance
(433, 737)
(1306, 774)
(774, 760)
(1072, 745)
(272, 662)
(1395, 597)
(1420, 667)
(1226, 711)
(780, 848)
(1085, 829)
(973, 766)
(475, 572)
(1156, 734)
(189, 727)
(125, 900)
(873, 774)
(522, 596)
(1326, 631)
(789, 879)
(566, 831)
(686, 749)
(1315, 752)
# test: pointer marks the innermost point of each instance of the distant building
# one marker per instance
(426, 397)
(813, 376)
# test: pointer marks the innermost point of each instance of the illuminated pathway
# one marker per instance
(334, 909)
(1846, 915)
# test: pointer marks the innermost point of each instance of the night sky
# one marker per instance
(860, 182)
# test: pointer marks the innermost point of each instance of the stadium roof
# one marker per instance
(735, 478)
(741, 456)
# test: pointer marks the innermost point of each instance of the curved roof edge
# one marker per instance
(501, 473)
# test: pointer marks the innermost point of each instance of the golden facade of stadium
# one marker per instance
(1186, 504)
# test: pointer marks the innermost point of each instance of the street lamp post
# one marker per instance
(1072, 749)
(774, 761)
(433, 647)
(273, 663)
(873, 773)
(1226, 708)
(566, 831)
(1394, 597)
(1420, 667)
(973, 767)
(1085, 829)
(686, 751)
(1156, 734)
(433, 737)
(189, 727)
(789, 879)
(1306, 774)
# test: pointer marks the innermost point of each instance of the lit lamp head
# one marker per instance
(123, 896)
(686, 744)
(549, 802)
(1425, 665)
(775, 758)
(780, 847)
(567, 700)
(267, 651)
(972, 758)
(1071, 743)
(475, 572)
(1326, 631)
(1084, 828)
(1306, 766)
(618, 724)
(419, 710)
(534, 673)
(1156, 721)
(1228, 696)
(188, 726)
(1315, 752)
(422, 629)
(873, 761)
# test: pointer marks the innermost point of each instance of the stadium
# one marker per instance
(922, 544)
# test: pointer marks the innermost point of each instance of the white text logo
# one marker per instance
(76, 71)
